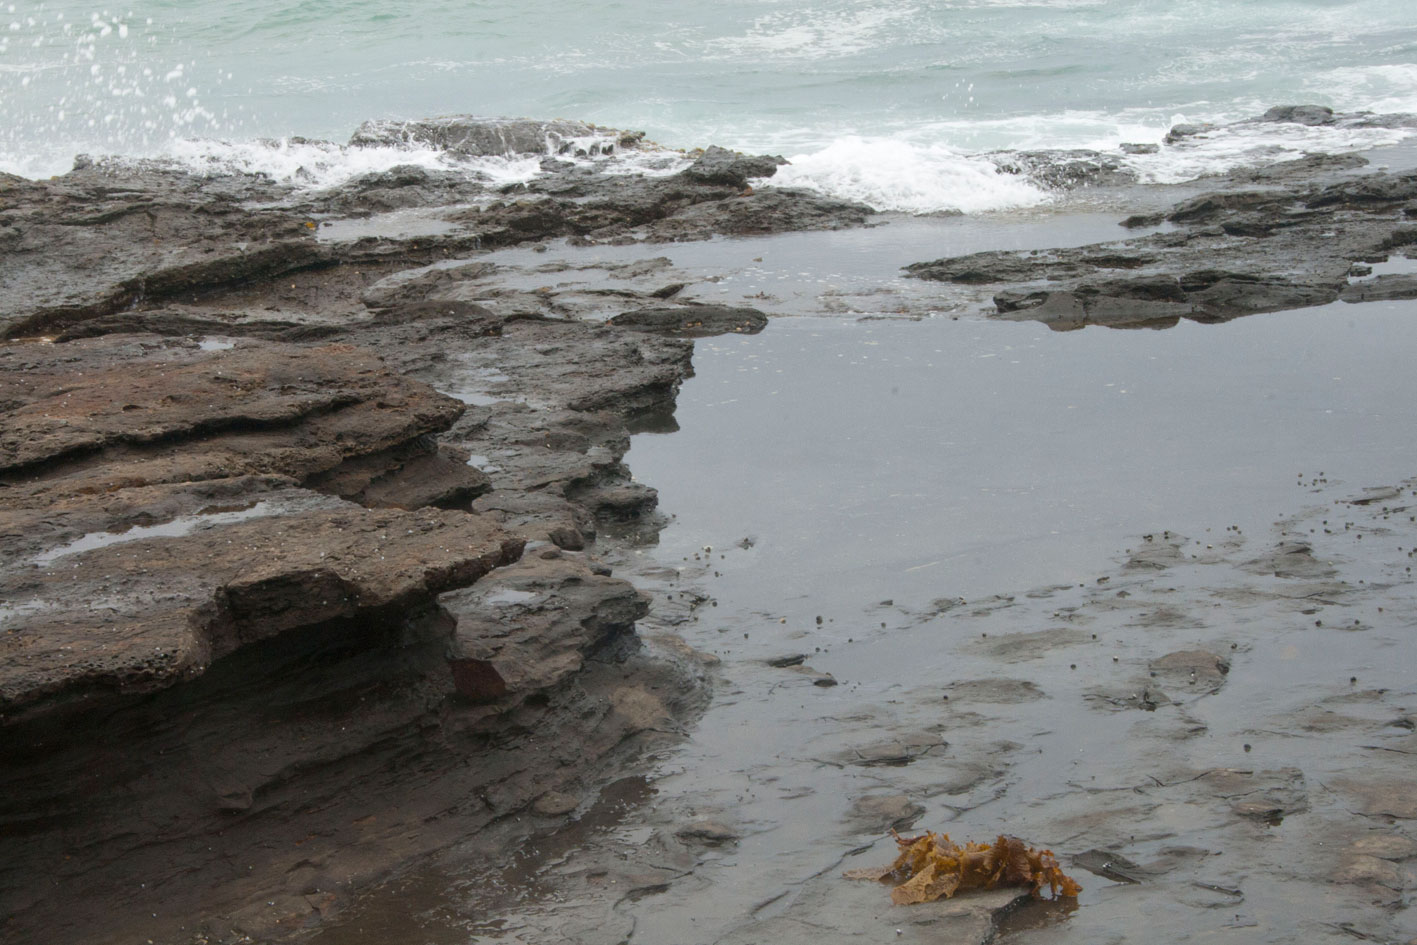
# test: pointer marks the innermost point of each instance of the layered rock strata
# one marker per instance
(296, 527)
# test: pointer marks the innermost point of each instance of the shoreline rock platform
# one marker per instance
(268, 596)
(302, 516)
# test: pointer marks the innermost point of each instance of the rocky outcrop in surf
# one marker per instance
(1293, 235)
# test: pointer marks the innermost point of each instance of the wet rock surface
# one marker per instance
(322, 567)
(1214, 809)
(1305, 236)
(110, 238)
(693, 320)
(1287, 235)
(264, 495)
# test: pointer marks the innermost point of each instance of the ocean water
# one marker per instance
(892, 102)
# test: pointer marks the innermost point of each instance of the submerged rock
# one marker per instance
(1300, 114)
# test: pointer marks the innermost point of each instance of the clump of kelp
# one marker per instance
(932, 866)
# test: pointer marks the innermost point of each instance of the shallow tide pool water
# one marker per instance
(873, 495)
(919, 459)
(979, 541)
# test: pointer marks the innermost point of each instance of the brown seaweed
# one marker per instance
(931, 866)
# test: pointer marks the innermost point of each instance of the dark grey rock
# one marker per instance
(721, 166)
(1300, 114)
(1180, 133)
(1231, 252)
(693, 321)
(1066, 170)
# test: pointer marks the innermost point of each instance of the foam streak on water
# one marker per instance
(893, 102)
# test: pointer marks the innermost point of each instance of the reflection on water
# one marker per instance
(452, 904)
(1033, 914)
(176, 528)
(936, 514)
(924, 458)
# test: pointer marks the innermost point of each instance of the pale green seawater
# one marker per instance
(883, 101)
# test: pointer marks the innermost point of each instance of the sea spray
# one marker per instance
(903, 105)
(893, 175)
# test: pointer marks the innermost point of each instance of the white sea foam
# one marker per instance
(946, 165)
(894, 102)
(320, 165)
(814, 34)
(1381, 88)
(1255, 144)
(312, 164)
(897, 175)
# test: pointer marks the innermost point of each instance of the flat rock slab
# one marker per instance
(996, 691)
(1381, 798)
(145, 614)
(152, 517)
(1199, 668)
(104, 237)
(1268, 796)
(693, 321)
(265, 407)
(836, 909)
(878, 813)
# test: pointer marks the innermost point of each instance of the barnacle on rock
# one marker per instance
(931, 866)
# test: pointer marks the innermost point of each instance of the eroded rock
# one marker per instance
(172, 606)
(532, 625)
(231, 499)
(1240, 249)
